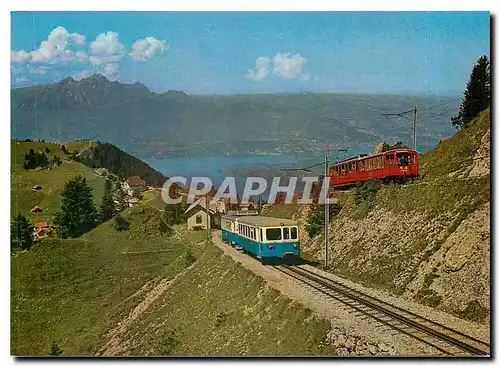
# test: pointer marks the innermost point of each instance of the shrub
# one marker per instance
(316, 220)
(189, 258)
(121, 224)
(170, 342)
(55, 350)
(21, 233)
(367, 191)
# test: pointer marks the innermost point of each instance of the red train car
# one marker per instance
(396, 164)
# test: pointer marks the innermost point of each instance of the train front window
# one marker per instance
(403, 159)
(293, 233)
(286, 233)
(273, 234)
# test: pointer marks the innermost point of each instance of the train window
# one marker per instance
(403, 159)
(286, 233)
(273, 234)
(293, 233)
(261, 234)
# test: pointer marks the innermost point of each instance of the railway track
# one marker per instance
(445, 340)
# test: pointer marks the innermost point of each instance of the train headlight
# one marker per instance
(294, 245)
(270, 247)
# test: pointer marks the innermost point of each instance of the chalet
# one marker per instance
(37, 187)
(247, 206)
(133, 186)
(197, 213)
(36, 209)
(40, 229)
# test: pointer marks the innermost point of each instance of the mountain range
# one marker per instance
(173, 123)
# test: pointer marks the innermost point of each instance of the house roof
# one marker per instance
(40, 225)
(135, 181)
(212, 205)
(36, 208)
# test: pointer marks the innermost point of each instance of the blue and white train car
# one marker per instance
(264, 237)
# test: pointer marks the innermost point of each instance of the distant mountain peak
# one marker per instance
(67, 80)
(97, 77)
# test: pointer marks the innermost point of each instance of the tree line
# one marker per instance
(34, 159)
(122, 164)
(477, 94)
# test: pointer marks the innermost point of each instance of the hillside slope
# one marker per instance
(140, 292)
(52, 180)
(428, 240)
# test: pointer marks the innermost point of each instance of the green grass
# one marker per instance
(220, 308)
(73, 291)
(153, 199)
(457, 152)
(52, 181)
(285, 211)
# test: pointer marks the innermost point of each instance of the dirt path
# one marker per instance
(151, 290)
(351, 333)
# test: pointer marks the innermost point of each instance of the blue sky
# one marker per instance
(417, 53)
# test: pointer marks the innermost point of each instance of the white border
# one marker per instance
(213, 5)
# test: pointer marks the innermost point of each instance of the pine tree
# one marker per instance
(21, 233)
(55, 350)
(107, 207)
(477, 95)
(120, 197)
(121, 224)
(78, 213)
(169, 214)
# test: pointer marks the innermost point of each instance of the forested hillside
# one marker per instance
(120, 163)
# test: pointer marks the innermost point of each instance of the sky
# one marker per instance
(414, 53)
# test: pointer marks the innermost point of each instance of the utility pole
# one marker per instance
(327, 214)
(401, 114)
(208, 218)
(415, 128)
(326, 166)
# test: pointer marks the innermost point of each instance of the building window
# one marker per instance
(199, 219)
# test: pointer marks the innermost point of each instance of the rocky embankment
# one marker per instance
(428, 241)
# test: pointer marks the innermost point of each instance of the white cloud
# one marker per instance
(261, 69)
(289, 66)
(82, 74)
(284, 65)
(22, 81)
(78, 39)
(54, 50)
(106, 48)
(103, 54)
(110, 71)
(147, 49)
(19, 56)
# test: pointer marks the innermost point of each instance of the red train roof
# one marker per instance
(366, 156)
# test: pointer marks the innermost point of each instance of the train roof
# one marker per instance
(365, 156)
(261, 221)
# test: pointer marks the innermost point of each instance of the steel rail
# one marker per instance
(371, 302)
